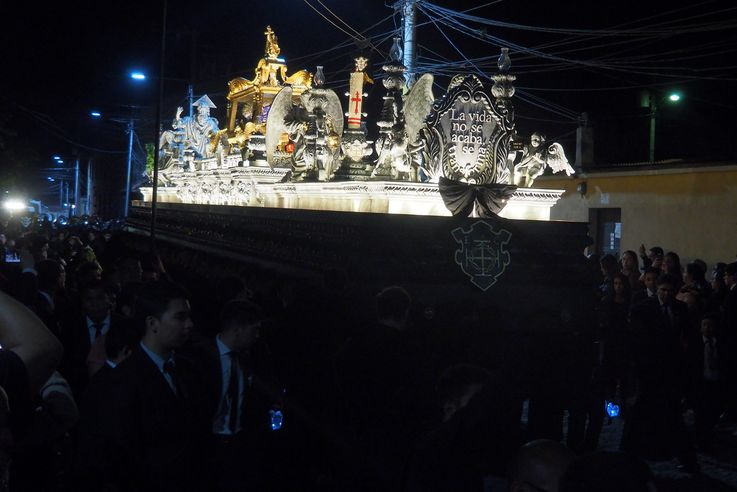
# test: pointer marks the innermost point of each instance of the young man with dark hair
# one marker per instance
(655, 426)
(83, 335)
(650, 280)
(156, 426)
(240, 394)
(96, 462)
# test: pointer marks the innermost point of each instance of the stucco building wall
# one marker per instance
(692, 211)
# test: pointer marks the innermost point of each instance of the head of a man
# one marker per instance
(96, 300)
(709, 323)
(655, 255)
(121, 340)
(162, 309)
(730, 275)
(666, 288)
(240, 324)
(650, 279)
(539, 466)
(51, 276)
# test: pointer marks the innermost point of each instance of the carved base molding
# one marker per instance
(261, 187)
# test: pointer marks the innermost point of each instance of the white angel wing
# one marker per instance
(334, 109)
(417, 105)
(275, 126)
(557, 161)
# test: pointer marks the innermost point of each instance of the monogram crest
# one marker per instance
(482, 254)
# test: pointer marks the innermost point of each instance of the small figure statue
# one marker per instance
(536, 156)
(272, 44)
(193, 133)
(244, 128)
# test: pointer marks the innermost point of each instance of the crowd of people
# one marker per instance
(122, 372)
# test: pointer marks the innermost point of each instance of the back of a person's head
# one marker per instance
(608, 263)
(667, 278)
(606, 471)
(229, 288)
(392, 303)
(240, 313)
(49, 272)
(657, 250)
(94, 285)
(154, 297)
(696, 271)
(125, 334)
(539, 465)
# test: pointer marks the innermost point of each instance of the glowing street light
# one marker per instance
(95, 114)
(652, 103)
(14, 205)
(138, 76)
(56, 157)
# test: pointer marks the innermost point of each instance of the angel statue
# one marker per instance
(314, 125)
(397, 146)
(536, 156)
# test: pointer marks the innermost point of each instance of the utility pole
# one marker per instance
(157, 127)
(653, 111)
(76, 184)
(409, 28)
(88, 204)
(128, 175)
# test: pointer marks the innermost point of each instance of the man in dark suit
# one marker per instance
(157, 430)
(708, 374)
(94, 466)
(728, 332)
(84, 333)
(238, 399)
(655, 428)
(650, 280)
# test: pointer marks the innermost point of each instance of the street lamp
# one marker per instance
(129, 129)
(652, 103)
(138, 76)
(95, 114)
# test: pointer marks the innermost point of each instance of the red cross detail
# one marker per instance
(357, 99)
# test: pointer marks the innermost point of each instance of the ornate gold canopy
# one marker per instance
(249, 100)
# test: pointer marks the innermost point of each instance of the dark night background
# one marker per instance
(63, 60)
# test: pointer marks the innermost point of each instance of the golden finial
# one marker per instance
(272, 44)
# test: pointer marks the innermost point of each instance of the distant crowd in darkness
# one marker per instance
(120, 374)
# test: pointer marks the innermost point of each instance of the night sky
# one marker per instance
(63, 60)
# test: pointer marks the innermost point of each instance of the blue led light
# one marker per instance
(138, 76)
(612, 409)
(277, 419)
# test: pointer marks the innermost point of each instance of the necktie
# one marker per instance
(169, 368)
(709, 356)
(98, 329)
(233, 392)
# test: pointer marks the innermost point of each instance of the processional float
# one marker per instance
(290, 143)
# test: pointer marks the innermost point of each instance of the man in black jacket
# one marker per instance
(238, 398)
(157, 428)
